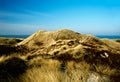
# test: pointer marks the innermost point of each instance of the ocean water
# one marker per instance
(15, 36)
(25, 36)
(109, 36)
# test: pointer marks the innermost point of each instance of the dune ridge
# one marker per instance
(52, 55)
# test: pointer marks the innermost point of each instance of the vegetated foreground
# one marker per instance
(60, 56)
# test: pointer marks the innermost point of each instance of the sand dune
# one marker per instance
(9, 41)
(46, 38)
(63, 56)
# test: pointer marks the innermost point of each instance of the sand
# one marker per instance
(66, 51)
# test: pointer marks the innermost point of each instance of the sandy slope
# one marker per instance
(65, 52)
(9, 41)
(47, 38)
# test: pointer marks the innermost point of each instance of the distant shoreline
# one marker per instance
(99, 36)
(14, 36)
(108, 36)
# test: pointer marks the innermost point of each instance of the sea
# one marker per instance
(15, 36)
(99, 36)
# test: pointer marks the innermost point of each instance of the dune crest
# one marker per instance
(79, 57)
(46, 38)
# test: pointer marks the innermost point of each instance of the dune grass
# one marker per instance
(60, 56)
(44, 70)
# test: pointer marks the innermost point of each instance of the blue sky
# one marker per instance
(97, 17)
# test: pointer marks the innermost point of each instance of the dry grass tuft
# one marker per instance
(11, 68)
(60, 56)
(9, 41)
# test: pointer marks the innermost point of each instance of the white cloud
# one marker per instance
(36, 13)
(15, 15)
(11, 28)
(27, 14)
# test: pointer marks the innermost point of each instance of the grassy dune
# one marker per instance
(60, 56)
(9, 41)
